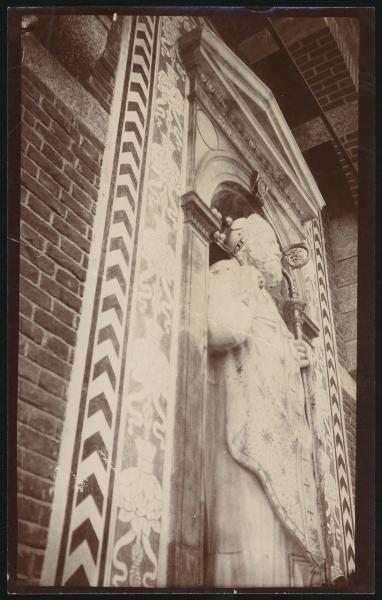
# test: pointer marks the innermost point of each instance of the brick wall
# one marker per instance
(322, 65)
(60, 176)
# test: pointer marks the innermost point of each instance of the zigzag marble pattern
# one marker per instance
(338, 429)
(81, 560)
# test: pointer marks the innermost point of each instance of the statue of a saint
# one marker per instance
(263, 524)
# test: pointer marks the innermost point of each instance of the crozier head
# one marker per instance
(254, 242)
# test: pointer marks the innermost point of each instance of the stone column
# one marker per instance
(185, 565)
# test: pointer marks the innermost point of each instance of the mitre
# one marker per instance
(242, 230)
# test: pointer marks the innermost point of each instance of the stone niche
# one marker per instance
(241, 158)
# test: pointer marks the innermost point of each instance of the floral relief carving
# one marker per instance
(148, 393)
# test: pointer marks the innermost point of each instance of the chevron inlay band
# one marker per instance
(85, 522)
(335, 402)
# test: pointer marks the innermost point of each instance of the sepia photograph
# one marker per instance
(190, 384)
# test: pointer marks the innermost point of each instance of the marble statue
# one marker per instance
(263, 525)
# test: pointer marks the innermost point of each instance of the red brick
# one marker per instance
(91, 150)
(67, 280)
(42, 193)
(71, 249)
(76, 207)
(83, 157)
(24, 148)
(23, 345)
(85, 261)
(31, 483)
(34, 294)
(30, 89)
(327, 90)
(63, 314)
(77, 223)
(59, 429)
(48, 322)
(325, 36)
(37, 258)
(89, 135)
(28, 118)
(25, 307)
(56, 142)
(333, 104)
(67, 230)
(51, 154)
(35, 110)
(58, 347)
(39, 208)
(28, 270)
(47, 360)
(24, 194)
(38, 419)
(351, 97)
(339, 68)
(52, 384)
(86, 172)
(38, 225)
(60, 133)
(25, 561)
(29, 509)
(103, 98)
(28, 370)
(61, 293)
(110, 60)
(34, 395)
(80, 180)
(32, 535)
(39, 85)
(48, 167)
(66, 112)
(341, 93)
(327, 52)
(107, 78)
(66, 262)
(31, 135)
(322, 79)
(82, 197)
(30, 330)
(37, 442)
(39, 558)
(56, 115)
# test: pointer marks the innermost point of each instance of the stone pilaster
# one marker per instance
(185, 565)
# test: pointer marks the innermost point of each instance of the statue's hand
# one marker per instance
(302, 353)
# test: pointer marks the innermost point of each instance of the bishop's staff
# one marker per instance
(297, 256)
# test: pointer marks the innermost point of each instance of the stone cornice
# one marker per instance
(218, 74)
(235, 130)
(79, 101)
(197, 213)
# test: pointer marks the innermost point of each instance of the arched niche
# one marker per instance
(216, 167)
(225, 182)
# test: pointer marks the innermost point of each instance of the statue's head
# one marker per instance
(254, 242)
